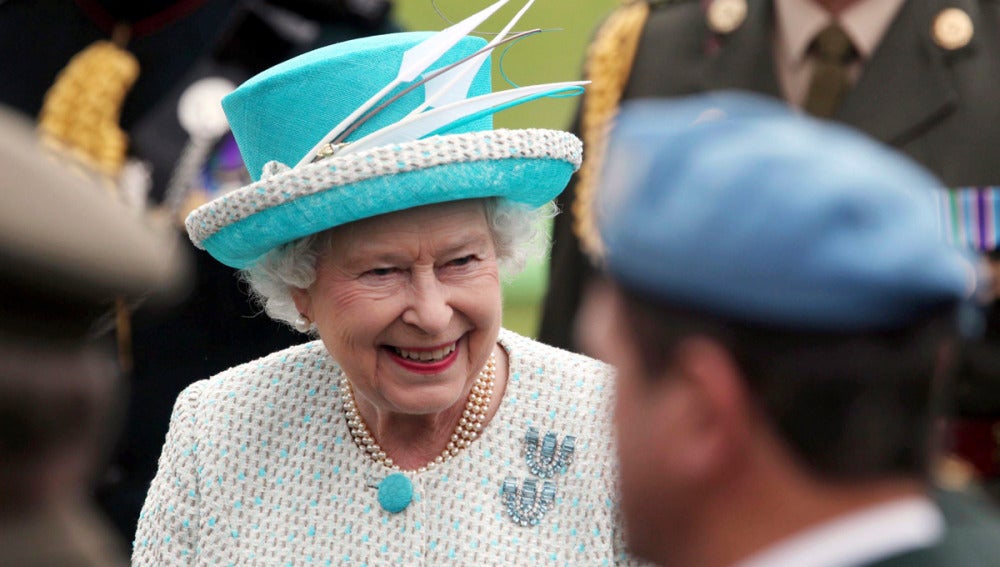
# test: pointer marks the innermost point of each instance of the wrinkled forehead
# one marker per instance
(436, 228)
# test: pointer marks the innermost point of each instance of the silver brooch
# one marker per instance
(525, 505)
(546, 457)
(544, 461)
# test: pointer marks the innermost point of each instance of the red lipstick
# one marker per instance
(418, 367)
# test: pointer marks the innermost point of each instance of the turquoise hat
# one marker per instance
(405, 154)
(736, 206)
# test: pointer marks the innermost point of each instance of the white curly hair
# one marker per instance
(519, 234)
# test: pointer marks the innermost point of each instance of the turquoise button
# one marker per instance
(395, 493)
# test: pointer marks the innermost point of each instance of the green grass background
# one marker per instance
(555, 55)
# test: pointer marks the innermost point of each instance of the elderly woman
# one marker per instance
(415, 430)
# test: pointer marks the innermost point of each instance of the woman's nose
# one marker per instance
(429, 308)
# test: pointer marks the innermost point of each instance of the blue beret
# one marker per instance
(737, 206)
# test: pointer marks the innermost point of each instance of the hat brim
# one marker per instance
(525, 166)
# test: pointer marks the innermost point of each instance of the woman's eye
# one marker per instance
(380, 272)
(464, 260)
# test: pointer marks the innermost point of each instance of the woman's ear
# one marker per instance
(303, 301)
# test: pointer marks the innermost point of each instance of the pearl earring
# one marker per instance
(303, 324)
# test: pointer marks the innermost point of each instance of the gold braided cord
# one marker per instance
(81, 110)
(609, 64)
(80, 118)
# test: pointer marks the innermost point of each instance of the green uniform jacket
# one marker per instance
(971, 539)
(941, 107)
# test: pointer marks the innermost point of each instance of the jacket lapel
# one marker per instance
(745, 57)
(906, 87)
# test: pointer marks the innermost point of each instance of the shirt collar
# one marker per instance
(865, 21)
(859, 538)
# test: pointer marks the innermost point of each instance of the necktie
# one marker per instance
(830, 83)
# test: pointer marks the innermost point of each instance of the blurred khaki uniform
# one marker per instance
(68, 253)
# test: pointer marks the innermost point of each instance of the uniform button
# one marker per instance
(726, 16)
(952, 29)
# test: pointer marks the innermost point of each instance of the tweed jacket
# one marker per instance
(259, 468)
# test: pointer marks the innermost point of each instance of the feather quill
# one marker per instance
(429, 122)
(415, 61)
(423, 80)
(453, 86)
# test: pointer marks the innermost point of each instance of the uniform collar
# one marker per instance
(870, 535)
(799, 21)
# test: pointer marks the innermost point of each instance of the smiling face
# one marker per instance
(409, 304)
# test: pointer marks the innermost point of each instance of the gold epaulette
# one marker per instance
(81, 110)
(609, 64)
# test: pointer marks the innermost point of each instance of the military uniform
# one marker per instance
(930, 90)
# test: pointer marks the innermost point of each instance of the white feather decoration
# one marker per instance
(415, 61)
(417, 126)
(453, 85)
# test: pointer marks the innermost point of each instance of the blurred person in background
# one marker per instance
(781, 310)
(384, 211)
(920, 76)
(68, 251)
(133, 88)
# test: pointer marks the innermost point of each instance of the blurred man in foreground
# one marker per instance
(781, 310)
(67, 253)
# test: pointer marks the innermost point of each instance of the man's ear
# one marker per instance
(711, 406)
(303, 301)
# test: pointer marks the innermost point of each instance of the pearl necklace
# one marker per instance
(469, 426)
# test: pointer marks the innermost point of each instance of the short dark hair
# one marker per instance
(850, 405)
